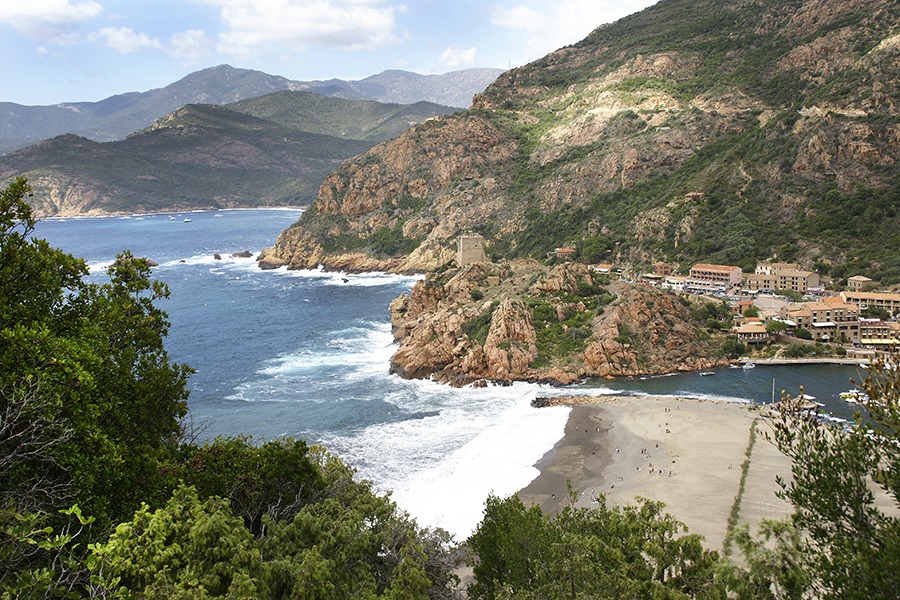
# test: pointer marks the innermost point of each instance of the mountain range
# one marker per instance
(727, 131)
(117, 116)
(269, 150)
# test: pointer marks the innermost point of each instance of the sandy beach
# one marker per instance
(685, 453)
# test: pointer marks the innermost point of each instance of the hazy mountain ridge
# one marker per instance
(723, 131)
(210, 156)
(117, 116)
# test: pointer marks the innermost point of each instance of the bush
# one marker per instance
(731, 348)
(802, 334)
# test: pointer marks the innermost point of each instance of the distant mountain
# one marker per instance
(719, 131)
(272, 150)
(117, 116)
(402, 87)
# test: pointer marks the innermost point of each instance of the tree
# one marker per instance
(775, 327)
(851, 547)
(276, 478)
(635, 551)
(802, 334)
(88, 398)
(190, 548)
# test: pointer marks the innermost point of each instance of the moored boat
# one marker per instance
(854, 396)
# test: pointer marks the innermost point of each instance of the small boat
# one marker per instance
(748, 365)
(187, 221)
(171, 218)
(706, 373)
(854, 396)
(217, 216)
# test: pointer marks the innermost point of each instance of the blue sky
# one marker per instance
(55, 51)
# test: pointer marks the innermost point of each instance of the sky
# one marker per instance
(54, 51)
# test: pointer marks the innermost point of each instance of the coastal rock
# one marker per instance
(522, 321)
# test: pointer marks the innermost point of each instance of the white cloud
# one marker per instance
(456, 58)
(47, 18)
(192, 45)
(518, 17)
(342, 24)
(125, 40)
(555, 24)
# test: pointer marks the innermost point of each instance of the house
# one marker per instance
(768, 268)
(663, 268)
(706, 278)
(826, 321)
(565, 253)
(883, 300)
(652, 278)
(752, 333)
(858, 283)
(744, 305)
(780, 276)
(875, 333)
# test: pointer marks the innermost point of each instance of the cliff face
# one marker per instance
(419, 189)
(523, 321)
(782, 115)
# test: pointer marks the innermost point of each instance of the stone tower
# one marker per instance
(470, 249)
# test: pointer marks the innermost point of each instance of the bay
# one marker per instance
(306, 354)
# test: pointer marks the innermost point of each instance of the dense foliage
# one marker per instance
(100, 494)
(852, 544)
(603, 552)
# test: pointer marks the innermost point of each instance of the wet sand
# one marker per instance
(684, 453)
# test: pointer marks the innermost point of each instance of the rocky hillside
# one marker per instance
(717, 130)
(520, 320)
(272, 150)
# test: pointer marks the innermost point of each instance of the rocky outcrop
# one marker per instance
(523, 321)
(399, 191)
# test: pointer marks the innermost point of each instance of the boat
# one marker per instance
(171, 218)
(749, 365)
(706, 373)
(854, 396)
(187, 221)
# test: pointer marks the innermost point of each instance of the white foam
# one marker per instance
(371, 279)
(466, 444)
(99, 267)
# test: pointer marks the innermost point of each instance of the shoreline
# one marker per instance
(826, 360)
(110, 215)
(686, 453)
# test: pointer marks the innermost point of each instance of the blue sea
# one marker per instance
(306, 354)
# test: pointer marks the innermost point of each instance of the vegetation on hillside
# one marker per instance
(727, 132)
(102, 496)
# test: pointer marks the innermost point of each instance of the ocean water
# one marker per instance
(306, 354)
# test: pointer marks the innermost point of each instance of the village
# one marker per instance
(781, 302)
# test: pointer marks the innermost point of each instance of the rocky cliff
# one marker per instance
(521, 320)
(722, 131)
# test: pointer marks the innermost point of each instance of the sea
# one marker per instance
(305, 354)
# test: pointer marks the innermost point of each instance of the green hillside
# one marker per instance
(718, 131)
(354, 119)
